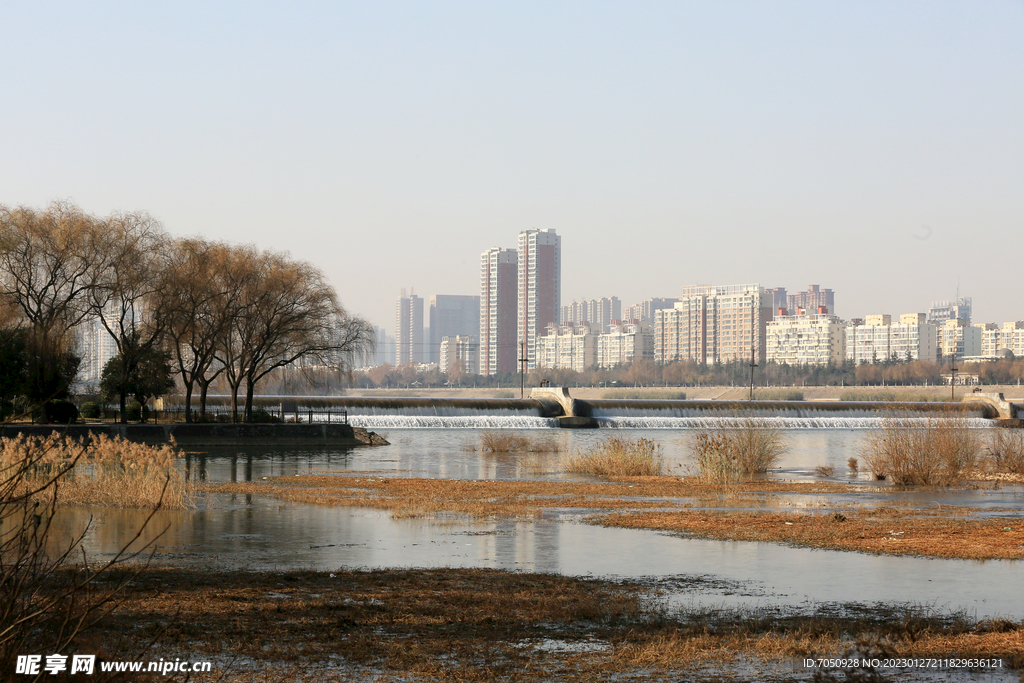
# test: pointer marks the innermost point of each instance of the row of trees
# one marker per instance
(210, 309)
(690, 374)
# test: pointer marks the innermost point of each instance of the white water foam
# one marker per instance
(452, 421)
(821, 421)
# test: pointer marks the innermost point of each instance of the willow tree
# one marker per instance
(288, 313)
(126, 296)
(200, 301)
(48, 268)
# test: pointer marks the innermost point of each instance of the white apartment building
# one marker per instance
(624, 343)
(460, 348)
(567, 346)
(879, 339)
(868, 342)
(95, 346)
(913, 338)
(714, 324)
(1009, 337)
(805, 339)
(958, 338)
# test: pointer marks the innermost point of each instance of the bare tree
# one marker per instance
(126, 296)
(288, 313)
(201, 298)
(47, 270)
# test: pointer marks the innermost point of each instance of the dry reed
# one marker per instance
(504, 441)
(99, 470)
(619, 457)
(925, 452)
(824, 470)
(1006, 450)
(743, 446)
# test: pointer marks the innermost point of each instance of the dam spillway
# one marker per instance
(541, 412)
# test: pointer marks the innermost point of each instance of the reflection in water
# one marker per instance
(245, 531)
(266, 535)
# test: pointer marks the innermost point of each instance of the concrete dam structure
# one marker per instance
(549, 407)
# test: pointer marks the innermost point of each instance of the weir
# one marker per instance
(552, 407)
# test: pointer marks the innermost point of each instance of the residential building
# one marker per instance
(805, 339)
(600, 312)
(645, 311)
(780, 301)
(463, 349)
(573, 347)
(409, 347)
(811, 300)
(913, 338)
(957, 338)
(714, 324)
(624, 343)
(95, 346)
(498, 310)
(452, 315)
(996, 340)
(540, 286)
(957, 309)
(868, 342)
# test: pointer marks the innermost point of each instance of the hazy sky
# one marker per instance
(876, 148)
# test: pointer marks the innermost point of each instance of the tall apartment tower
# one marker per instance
(540, 287)
(409, 329)
(811, 301)
(451, 315)
(498, 309)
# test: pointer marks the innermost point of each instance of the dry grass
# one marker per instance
(484, 625)
(824, 470)
(885, 530)
(504, 441)
(100, 471)
(1006, 450)
(616, 456)
(932, 452)
(739, 447)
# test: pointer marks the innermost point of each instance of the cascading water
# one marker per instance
(400, 413)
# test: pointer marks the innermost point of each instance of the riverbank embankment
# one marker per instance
(203, 434)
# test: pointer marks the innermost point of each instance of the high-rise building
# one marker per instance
(811, 301)
(714, 324)
(95, 346)
(540, 286)
(498, 311)
(780, 301)
(878, 339)
(409, 345)
(452, 315)
(600, 312)
(462, 349)
(957, 309)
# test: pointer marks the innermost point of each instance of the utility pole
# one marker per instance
(522, 382)
(752, 366)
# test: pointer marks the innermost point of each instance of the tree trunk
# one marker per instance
(248, 400)
(203, 388)
(188, 401)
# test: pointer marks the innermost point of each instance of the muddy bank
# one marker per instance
(482, 625)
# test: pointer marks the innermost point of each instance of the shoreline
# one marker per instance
(210, 434)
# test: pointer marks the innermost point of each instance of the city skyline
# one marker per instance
(874, 148)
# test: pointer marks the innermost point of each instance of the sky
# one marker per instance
(874, 148)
